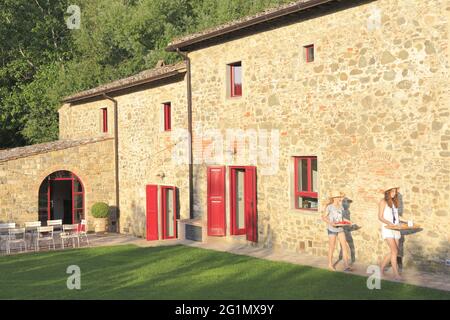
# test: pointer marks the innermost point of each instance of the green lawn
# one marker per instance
(180, 272)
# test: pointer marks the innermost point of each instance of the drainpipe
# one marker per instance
(189, 112)
(116, 157)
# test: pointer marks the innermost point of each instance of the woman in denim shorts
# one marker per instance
(332, 217)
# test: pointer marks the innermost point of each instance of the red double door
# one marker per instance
(243, 212)
(168, 209)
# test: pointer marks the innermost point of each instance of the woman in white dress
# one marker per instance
(388, 215)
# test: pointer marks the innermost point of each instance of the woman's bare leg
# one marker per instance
(331, 246)
(397, 243)
(394, 252)
(344, 246)
(385, 261)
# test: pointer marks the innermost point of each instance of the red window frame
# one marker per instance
(309, 57)
(104, 120)
(167, 116)
(302, 193)
(234, 229)
(164, 209)
(235, 88)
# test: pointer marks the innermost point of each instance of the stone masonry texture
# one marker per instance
(373, 107)
(21, 178)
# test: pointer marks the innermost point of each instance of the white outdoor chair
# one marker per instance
(31, 231)
(57, 226)
(70, 231)
(45, 234)
(82, 231)
(8, 225)
(16, 236)
(4, 232)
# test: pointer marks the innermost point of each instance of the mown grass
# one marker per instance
(180, 272)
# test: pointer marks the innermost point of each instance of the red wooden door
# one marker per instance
(251, 217)
(152, 212)
(216, 201)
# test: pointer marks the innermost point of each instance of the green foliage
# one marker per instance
(100, 210)
(41, 60)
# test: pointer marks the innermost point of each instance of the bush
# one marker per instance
(100, 210)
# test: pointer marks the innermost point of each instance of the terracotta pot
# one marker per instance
(100, 225)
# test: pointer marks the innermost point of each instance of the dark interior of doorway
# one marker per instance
(61, 201)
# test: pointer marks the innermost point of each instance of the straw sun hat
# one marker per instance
(336, 194)
(390, 185)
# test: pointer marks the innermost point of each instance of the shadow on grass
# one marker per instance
(179, 272)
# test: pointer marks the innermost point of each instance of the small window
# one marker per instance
(167, 116)
(104, 120)
(306, 183)
(309, 53)
(235, 71)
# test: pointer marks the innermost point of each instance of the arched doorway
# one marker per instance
(61, 196)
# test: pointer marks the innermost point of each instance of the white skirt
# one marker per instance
(388, 233)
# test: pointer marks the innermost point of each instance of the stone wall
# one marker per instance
(85, 120)
(21, 178)
(373, 105)
(145, 150)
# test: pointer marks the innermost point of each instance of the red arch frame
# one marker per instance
(72, 178)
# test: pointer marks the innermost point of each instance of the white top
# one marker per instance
(391, 214)
(334, 215)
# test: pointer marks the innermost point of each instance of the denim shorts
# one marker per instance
(332, 233)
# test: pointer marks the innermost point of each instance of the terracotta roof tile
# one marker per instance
(247, 21)
(137, 79)
(21, 152)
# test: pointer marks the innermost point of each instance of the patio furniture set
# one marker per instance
(33, 234)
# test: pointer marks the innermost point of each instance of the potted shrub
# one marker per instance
(100, 212)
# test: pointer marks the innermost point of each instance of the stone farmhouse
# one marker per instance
(244, 139)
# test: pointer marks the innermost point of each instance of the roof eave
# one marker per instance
(245, 24)
(162, 76)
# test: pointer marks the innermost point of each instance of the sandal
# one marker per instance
(348, 269)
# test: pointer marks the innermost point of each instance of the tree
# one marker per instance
(42, 61)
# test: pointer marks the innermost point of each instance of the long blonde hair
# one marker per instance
(330, 201)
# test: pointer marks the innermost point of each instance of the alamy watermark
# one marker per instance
(74, 280)
(374, 280)
(74, 20)
(213, 147)
(374, 20)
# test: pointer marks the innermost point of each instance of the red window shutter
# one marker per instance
(251, 218)
(152, 212)
(105, 119)
(216, 201)
(167, 117)
(238, 89)
(232, 87)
